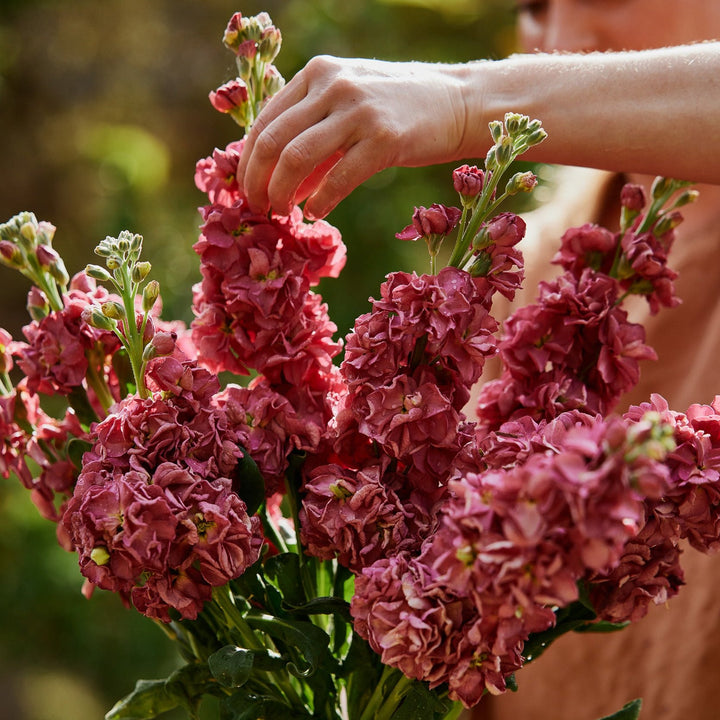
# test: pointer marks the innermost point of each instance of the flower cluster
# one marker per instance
(275, 522)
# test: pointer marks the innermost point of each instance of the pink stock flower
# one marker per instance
(217, 175)
(574, 348)
(426, 222)
(254, 307)
(361, 516)
(588, 246)
(162, 539)
(468, 180)
(229, 96)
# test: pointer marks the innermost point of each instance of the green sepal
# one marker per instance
(323, 606)
(631, 711)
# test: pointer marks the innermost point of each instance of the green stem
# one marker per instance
(235, 619)
(99, 385)
(388, 708)
(376, 699)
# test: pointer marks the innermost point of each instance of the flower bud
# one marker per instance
(686, 197)
(59, 273)
(273, 81)
(113, 310)
(233, 94)
(37, 304)
(504, 151)
(46, 256)
(93, 317)
(536, 137)
(468, 181)
(496, 130)
(150, 294)
(521, 182)
(515, 123)
(269, 44)
(667, 222)
(426, 222)
(97, 273)
(113, 262)
(27, 231)
(140, 271)
(163, 343)
(633, 197)
(11, 255)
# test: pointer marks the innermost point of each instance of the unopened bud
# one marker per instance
(164, 342)
(667, 222)
(686, 197)
(504, 151)
(97, 273)
(269, 44)
(46, 256)
(661, 186)
(59, 273)
(140, 271)
(150, 294)
(113, 262)
(113, 310)
(496, 130)
(273, 81)
(536, 137)
(11, 255)
(515, 123)
(28, 232)
(93, 317)
(37, 304)
(521, 182)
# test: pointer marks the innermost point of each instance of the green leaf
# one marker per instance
(243, 705)
(631, 711)
(123, 371)
(76, 448)
(232, 666)
(306, 643)
(362, 669)
(324, 606)
(284, 571)
(78, 399)
(572, 617)
(148, 700)
(602, 627)
(420, 703)
(249, 483)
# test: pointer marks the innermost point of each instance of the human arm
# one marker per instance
(339, 121)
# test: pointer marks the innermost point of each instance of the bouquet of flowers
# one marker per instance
(339, 540)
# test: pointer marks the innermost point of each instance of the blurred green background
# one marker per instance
(103, 113)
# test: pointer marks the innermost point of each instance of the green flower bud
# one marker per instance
(496, 130)
(140, 271)
(521, 182)
(113, 262)
(113, 310)
(93, 317)
(515, 123)
(150, 294)
(97, 273)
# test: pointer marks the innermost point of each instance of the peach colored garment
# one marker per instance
(670, 658)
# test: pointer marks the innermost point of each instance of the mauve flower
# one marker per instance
(161, 538)
(468, 180)
(426, 222)
(361, 516)
(16, 407)
(229, 96)
(632, 197)
(586, 246)
(217, 175)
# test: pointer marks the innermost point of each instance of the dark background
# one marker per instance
(103, 114)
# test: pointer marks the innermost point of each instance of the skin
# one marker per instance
(339, 121)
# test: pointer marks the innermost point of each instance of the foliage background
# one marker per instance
(103, 113)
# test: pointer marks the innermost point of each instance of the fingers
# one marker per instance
(352, 169)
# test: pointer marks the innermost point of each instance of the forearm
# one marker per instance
(655, 112)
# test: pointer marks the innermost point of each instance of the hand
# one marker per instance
(340, 121)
